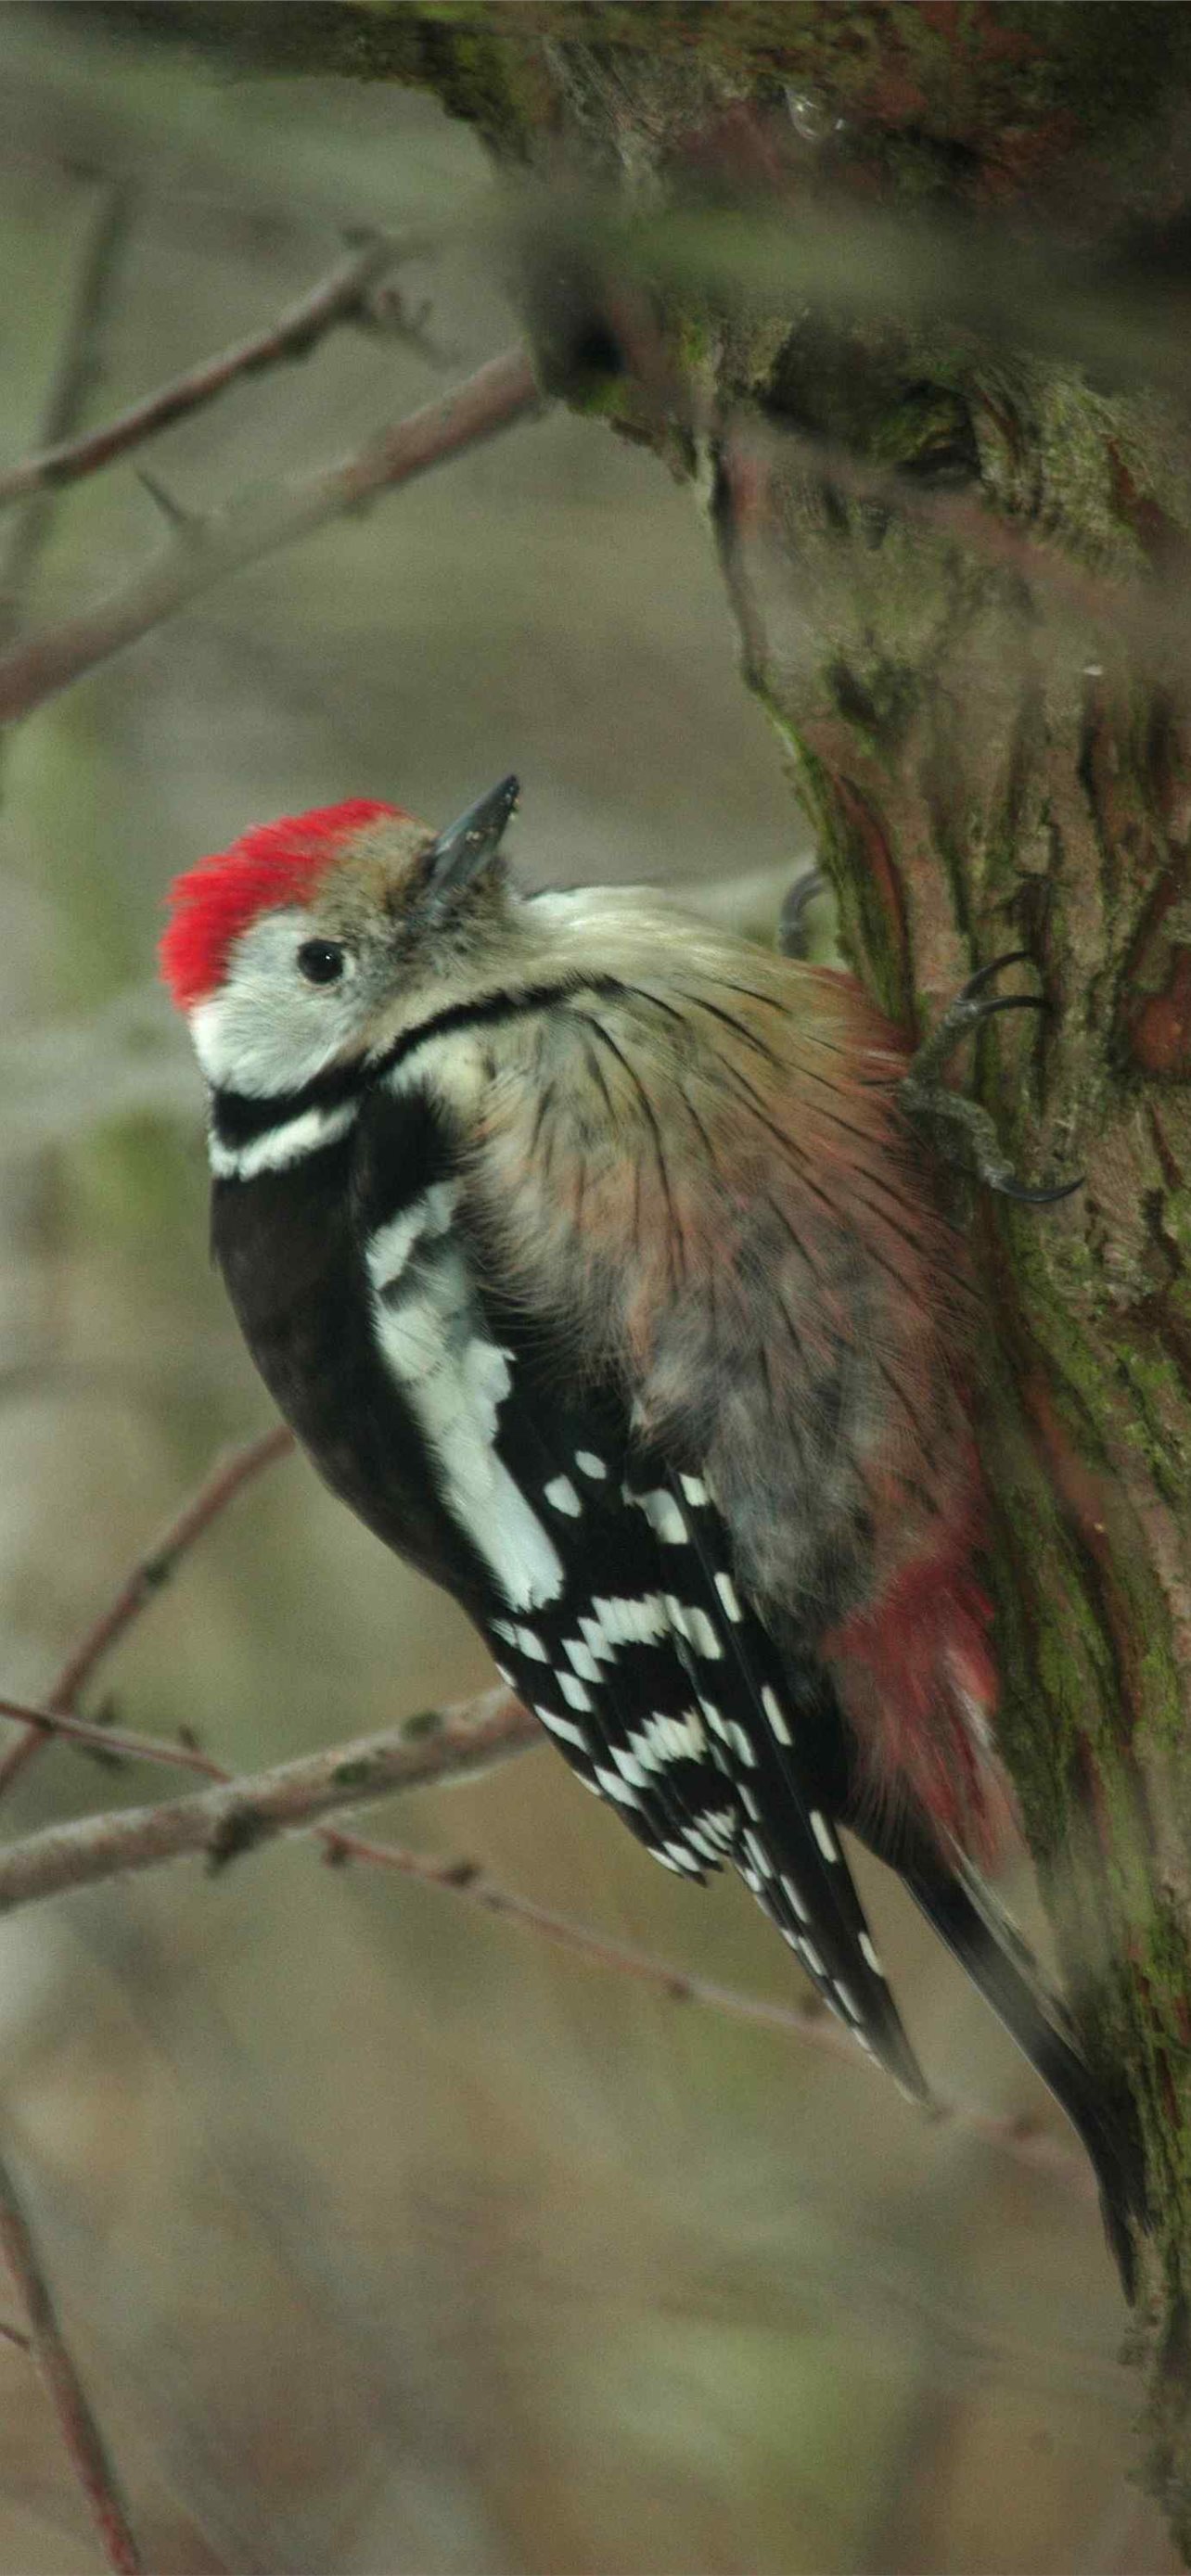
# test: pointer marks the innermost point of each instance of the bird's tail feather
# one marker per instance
(969, 1918)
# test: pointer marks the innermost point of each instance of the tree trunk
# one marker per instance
(897, 288)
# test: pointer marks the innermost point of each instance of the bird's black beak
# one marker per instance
(460, 852)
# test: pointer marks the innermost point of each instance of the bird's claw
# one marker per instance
(985, 974)
(1038, 1197)
(967, 1133)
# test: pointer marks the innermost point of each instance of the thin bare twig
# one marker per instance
(226, 1479)
(1023, 2140)
(204, 551)
(344, 295)
(45, 2340)
(465, 1880)
(242, 1812)
(460, 1878)
(116, 1741)
(80, 2432)
(76, 371)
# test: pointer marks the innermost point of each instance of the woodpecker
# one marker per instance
(594, 1259)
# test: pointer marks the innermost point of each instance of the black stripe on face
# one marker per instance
(487, 1011)
(239, 1118)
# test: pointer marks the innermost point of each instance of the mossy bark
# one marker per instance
(994, 748)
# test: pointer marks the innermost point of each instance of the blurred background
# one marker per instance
(387, 2237)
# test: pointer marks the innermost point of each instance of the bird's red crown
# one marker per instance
(275, 864)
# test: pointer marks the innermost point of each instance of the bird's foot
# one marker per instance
(792, 931)
(965, 1132)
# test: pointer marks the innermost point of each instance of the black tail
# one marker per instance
(969, 1919)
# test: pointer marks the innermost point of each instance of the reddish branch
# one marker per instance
(345, 295)
(77, 2424)
(202, 551)
(114, 1741)
(227, 1479)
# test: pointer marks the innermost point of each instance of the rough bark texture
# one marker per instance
(961, 228)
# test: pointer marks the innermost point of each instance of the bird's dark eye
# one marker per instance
(320, 961)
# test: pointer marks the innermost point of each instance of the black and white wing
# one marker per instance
(666, 1693)
(602, 1573)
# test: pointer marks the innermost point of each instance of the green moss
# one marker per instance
(865, 930)
(490, 75)
(345, 37)
(692, 338)
(356, 1774)
(1111, 71)
(1107, 72)
(1086, 1390)
(426, 1723)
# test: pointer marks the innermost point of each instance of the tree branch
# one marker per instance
(80, 2432)
(45, 2340)
(115, 1741)
(242, 1813)
(1022, 2139)
(78, 364)
(344, 295)
(203, 551)
(291, 1798)
(239, 1814)
(227, 1478)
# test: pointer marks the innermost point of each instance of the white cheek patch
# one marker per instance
(267, 1030)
